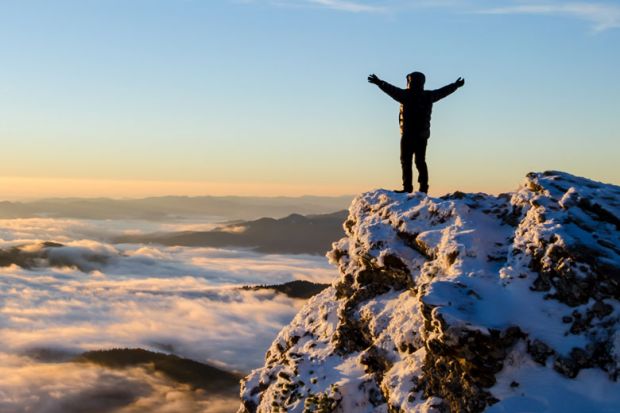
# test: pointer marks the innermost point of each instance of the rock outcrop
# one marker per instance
(464, 303)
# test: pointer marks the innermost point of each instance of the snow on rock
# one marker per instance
(464, 303)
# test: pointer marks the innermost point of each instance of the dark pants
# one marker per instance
(410, 146)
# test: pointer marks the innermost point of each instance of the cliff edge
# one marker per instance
(464, 303)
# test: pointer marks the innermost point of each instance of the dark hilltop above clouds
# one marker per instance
(464, 303)
(198, 375)
(294, 234)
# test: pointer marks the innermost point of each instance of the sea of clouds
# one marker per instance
(89, 294)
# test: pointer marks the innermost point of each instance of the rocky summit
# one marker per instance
(463, 303)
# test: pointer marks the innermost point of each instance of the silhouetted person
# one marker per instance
(416, 105)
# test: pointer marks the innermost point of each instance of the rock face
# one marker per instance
(464, 303)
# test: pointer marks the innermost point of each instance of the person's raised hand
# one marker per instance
(374, 79)
(460, 82)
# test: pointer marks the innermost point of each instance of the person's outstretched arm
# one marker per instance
(447, 90)
(394, 92)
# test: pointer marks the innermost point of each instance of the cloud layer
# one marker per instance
(86, 294)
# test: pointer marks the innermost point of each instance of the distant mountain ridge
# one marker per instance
(294, 234)
(174, 207)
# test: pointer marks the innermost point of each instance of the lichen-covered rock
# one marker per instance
(464, 303)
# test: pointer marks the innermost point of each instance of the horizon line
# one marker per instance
(27, 189)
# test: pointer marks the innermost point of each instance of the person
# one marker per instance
(416, 106)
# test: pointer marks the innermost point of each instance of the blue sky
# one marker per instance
(122, 98)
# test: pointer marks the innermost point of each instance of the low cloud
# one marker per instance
(74, 244)
(65, 290)
(87, 295)
(186, 316)
(18, 230)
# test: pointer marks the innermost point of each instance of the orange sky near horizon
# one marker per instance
(26, 188)
(29, 188)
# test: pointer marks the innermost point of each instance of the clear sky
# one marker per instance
(146, 97)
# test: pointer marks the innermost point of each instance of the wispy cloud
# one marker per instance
(374, 6)
(351, 6)
(603, 15)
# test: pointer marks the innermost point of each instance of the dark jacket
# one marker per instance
(416, 107)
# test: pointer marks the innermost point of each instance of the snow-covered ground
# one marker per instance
(468, 302)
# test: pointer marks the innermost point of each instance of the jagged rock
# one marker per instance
(465, 303)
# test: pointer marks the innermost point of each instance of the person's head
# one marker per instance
(415, 80)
